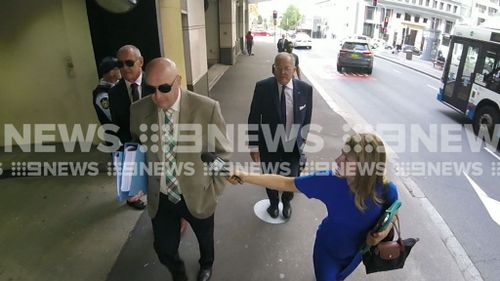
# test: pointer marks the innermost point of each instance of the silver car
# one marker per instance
(355, 54)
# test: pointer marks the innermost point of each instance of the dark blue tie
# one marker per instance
(283, 105)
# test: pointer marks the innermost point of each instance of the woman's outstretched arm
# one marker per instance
(275, 182)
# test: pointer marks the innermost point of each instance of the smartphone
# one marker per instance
(386, 218)
(382, 223)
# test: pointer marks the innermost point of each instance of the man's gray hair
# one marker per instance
(133, 48)
(283, 55)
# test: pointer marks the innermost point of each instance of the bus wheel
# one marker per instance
(485, 119)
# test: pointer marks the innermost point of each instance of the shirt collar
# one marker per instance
(138, 81)
(288, 86)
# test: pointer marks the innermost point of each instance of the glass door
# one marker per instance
(461, 73)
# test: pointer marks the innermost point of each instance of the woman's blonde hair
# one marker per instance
(369, 153)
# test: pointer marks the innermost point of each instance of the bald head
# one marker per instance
(161, 72)
(129, 48)
(162, 66)
(130, 62)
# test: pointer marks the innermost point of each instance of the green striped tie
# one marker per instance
(173, 193)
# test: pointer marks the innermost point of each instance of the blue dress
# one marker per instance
(344, 229)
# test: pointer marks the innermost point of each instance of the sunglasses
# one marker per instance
(128, 63)
(164, 88)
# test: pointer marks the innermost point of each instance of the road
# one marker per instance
(433, 139)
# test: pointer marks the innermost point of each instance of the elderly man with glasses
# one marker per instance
(281, 109)
(123, 94)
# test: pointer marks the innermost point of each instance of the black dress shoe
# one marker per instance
(204, 274)
(138, 205)
(273, 211)
(287, 210)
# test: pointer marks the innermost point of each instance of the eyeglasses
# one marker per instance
(128, 63)
(286, 69)
(164, 88)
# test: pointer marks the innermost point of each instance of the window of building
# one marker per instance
(480, 21)
(492, 11)
(421, 2)
(427, 3)
(425, 20)
(368, 29)
(441, 5)
(414, 1)
(455, 8)
(448, 8)
(416, 18)
(448, 27)
(435, 4)
(398, 15)
(370, 11)
(407, 17)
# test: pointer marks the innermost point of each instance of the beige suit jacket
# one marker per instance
(200, 190)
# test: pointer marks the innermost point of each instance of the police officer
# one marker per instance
(110, 74)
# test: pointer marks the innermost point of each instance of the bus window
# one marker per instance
(470, 65)
(491, 71)
(455, 61)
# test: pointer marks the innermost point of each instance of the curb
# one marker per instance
(407, 66)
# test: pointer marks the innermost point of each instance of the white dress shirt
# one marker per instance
(139, 88)
(288, 104)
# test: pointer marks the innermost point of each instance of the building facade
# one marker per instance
(51, 49)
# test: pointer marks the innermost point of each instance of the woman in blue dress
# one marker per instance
(354, 196)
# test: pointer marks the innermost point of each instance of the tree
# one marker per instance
(290, 18)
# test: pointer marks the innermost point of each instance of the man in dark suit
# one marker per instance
(191, 193)
(123, 94)
(281, 108)
(282, 42)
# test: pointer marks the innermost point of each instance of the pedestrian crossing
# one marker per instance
(327, 70)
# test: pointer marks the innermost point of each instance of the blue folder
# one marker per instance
(131, 171)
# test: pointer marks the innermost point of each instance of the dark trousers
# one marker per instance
(287, 165)
(166, 230)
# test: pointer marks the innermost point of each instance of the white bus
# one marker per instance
(471, 76)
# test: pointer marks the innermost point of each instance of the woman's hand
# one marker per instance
(236, 177)
(374, 238)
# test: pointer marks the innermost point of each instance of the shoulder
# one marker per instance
(119, 87)
(143, 105)
(192, 97)
(266, 82)
(303, 85)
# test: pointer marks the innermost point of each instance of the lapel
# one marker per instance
(184, 114)
(276, 97)
(150, 118)
(296, 95)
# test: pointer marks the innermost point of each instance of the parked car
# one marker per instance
(302, 40)
(411, 49)
(356, 54)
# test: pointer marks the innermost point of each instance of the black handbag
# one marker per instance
(388, 255)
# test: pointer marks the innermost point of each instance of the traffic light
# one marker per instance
(275, 14)
(374, 3)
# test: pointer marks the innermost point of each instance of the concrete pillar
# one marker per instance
(171, 40)
(227, 29)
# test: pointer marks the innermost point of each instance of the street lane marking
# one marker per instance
(432, 87)
(397, 71)
(491, 205)
(492, 153)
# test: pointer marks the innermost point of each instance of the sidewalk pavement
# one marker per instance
(416, 63)
(70, 228)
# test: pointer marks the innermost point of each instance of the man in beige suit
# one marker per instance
(188, 192)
